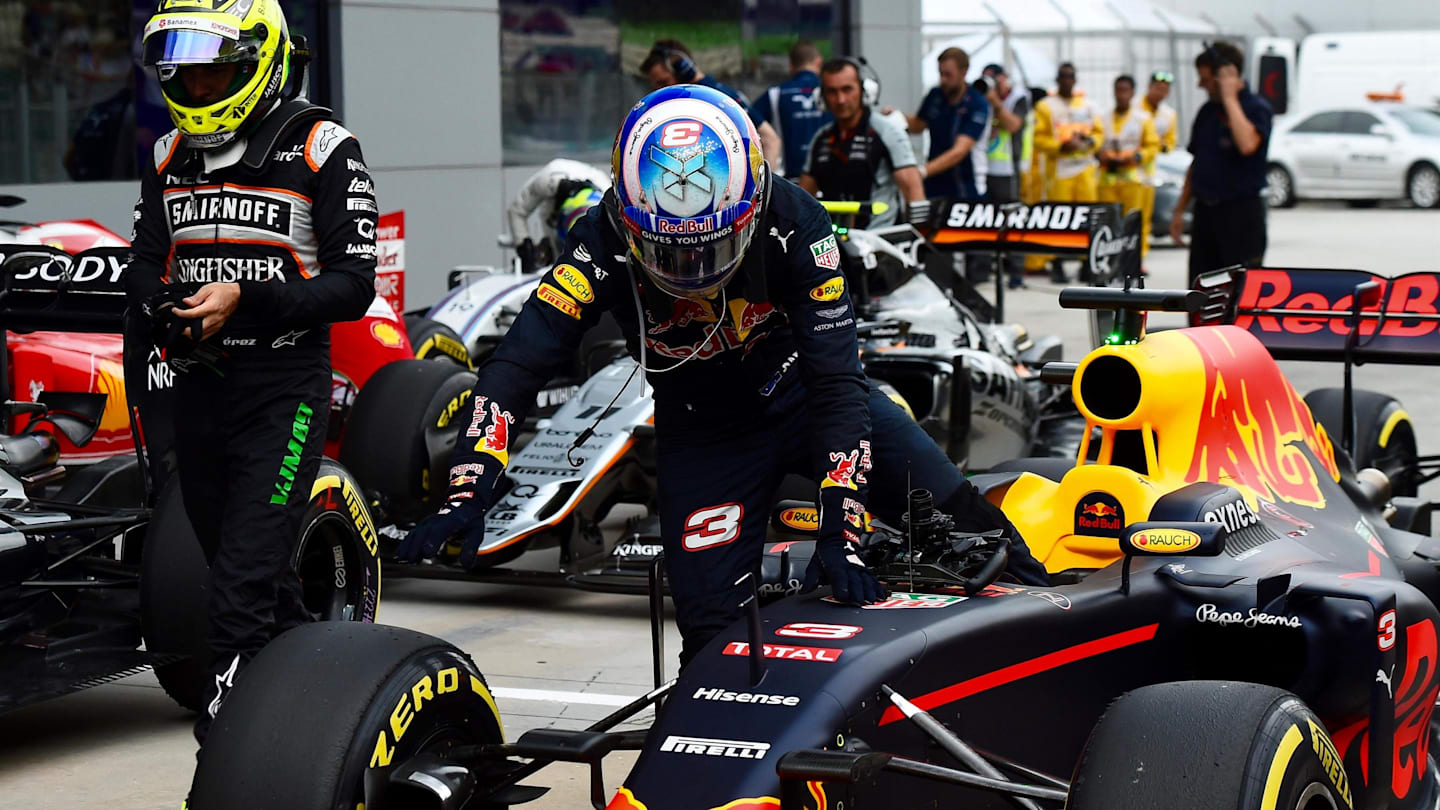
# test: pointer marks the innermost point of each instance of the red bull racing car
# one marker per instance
(1237, 618)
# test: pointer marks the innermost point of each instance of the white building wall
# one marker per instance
(1295, 18)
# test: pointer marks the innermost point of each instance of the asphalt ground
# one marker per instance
(565, 658)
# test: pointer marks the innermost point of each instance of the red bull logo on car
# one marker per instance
(1099, 514)
(1253, 427)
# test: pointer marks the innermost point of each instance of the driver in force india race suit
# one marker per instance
(749, 336)
(254, 231)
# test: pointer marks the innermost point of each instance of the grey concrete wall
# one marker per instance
(422, 92)
(887, 34)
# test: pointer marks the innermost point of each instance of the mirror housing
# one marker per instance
(1381, 130)
(1172, 538)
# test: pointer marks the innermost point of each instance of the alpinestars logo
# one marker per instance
(223, 682)
(235, 208)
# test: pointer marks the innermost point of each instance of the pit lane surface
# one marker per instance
(565, 658)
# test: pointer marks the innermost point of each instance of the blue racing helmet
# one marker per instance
(690, 185)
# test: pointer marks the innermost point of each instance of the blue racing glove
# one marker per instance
(462, 518)
(838, 562)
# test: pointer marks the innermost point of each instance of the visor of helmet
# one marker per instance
(690, 263)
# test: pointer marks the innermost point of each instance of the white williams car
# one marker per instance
(1362, 152)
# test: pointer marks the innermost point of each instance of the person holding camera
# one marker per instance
(1229, 140)
(1068, 132)
(1130, 142)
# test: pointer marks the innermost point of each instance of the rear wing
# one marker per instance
(46, 288)
(1052, 228)
(1305, 313)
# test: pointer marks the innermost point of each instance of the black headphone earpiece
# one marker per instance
(681, 65)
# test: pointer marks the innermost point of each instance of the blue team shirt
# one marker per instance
(1220, 172)
(795, 110)
(946, 122)
(726, 89)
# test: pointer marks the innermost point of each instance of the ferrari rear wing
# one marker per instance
(43, 287)
(1306, 313)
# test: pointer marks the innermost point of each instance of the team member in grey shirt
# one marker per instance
(859, 156)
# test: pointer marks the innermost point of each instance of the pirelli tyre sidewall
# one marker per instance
(1247, 746)
(326, 712)
(400, 434)
(338, 554)
(433, 340)
(1384, 433)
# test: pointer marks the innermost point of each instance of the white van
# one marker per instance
(1343, 69)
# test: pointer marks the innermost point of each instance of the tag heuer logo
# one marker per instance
(826, 253)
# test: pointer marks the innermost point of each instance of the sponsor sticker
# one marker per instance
(1059, 600)
(1210, 614)
(1330, 761)
(844, 474)
(558, 300)
(826, 253)
(1234, 516)
(726, 696)
(360, 204)
(833, 312)
(708, 747)
(387, 334)
(1166, 541)
(1099, 514)
(801, 518)
(195, 23)
(638, 549)
(574, 282)
(908, 601)
(829, 632)
(784, 652)
(831, 290)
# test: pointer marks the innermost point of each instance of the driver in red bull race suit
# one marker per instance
(727, 283)
(254, 231)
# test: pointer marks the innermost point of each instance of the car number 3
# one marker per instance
(712, 526)
(1385, 631)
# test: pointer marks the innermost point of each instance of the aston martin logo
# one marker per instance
(680, 175)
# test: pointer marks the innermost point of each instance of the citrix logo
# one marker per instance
(290, 464)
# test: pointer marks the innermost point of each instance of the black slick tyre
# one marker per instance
(400, 434)
(432, 340)
(336, 558)
(1384, 433)
(1245, 746)
(325, 712)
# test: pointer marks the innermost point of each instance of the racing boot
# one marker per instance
(973, 513)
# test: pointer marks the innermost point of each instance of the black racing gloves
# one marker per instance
(461, 517)
(837, 561)
(529, 255)
(181, 338)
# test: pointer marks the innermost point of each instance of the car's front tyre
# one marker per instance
(323, 715)
(1245, 746)
(1422, 186)
(1279, 186)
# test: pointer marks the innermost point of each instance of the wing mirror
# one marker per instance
(1169, 538)
(1381, 130)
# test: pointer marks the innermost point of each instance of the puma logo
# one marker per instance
(775, 232)
(1381, 676)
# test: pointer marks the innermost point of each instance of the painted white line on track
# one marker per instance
(549, 696)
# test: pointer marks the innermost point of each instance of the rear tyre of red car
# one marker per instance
(326, 712)
(401, 432)
(336, 558)
(1201, 745)
(1384, 433)
(433, 340)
